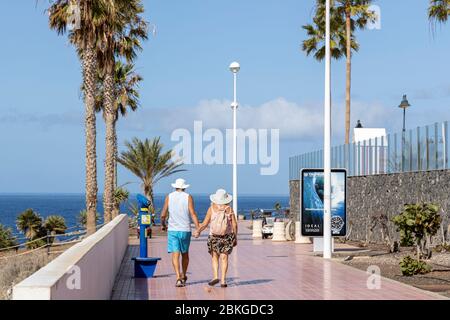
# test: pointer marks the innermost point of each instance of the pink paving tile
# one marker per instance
(258, 270)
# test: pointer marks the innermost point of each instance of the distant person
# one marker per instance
(180, 207)
(222, 236)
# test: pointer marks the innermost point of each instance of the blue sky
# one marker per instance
(185, 67)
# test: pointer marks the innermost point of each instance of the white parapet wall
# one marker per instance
(86, 271)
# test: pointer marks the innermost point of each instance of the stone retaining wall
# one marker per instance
(369, 196)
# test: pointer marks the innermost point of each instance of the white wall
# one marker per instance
(86, 271)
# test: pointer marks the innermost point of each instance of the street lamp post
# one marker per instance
(235, 67)
(327, 239)
(404, 105)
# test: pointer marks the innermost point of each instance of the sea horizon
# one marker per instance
(69, 205)
(133, 193)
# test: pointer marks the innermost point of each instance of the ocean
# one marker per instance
(70, 205)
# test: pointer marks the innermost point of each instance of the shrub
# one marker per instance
(422, 221)
(16, 268)
(406, 239)
(6, 238)
(411, 267)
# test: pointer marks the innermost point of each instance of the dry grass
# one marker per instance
(16, 268)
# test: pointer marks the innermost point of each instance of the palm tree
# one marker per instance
(120, 196)
(86, 38)
(148, 162)
(6, 238)
(126, 83)
(55, 225)
(439, 10)
(82, 218)
(123, 34)
(346, 17)
(30, 224)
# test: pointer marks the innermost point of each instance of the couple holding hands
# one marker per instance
(179, 207)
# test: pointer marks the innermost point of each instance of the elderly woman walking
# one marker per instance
(222, 236)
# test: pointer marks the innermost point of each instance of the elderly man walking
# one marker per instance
(180, 207)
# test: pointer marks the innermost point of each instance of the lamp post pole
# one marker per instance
(235, 67)
(404, 105)
(327, 240)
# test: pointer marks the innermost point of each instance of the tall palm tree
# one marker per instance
(86, 38)
(126, 84)
(148, 162)
(439, 10)
(122, 38)
(346, 17)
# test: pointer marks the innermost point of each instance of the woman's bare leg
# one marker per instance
(215, 265)
(224, 267)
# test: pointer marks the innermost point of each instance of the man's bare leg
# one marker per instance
(185, 264)
(176, 263)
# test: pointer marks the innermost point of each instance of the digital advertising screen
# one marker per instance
(312, 206)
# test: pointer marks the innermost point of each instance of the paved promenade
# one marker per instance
(259, 270)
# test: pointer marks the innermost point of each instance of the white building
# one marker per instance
(370, 150)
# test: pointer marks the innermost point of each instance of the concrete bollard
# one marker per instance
(257, 228)
(298, 234)
(279, 231)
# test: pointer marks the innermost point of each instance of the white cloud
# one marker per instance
(294, 121)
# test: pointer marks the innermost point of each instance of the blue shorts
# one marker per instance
(178, 241)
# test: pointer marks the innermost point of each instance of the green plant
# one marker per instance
(147, 161)
(439, 11)
(82, 218)
(30, 224)
(346, 17)
(411, 267)
(121, 195)
(445, 247)
(6, 238)
(422, 221)
(406, 238)
(55, 225)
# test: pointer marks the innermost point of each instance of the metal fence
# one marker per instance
(420, 149)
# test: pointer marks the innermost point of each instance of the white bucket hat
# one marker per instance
(180, 184)
(221, 197)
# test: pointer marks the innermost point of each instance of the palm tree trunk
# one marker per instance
(116, 209)
(349, 76)
(108, 196)
(89, 76)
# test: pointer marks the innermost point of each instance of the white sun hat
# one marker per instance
(180, 184)
(221, 197)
